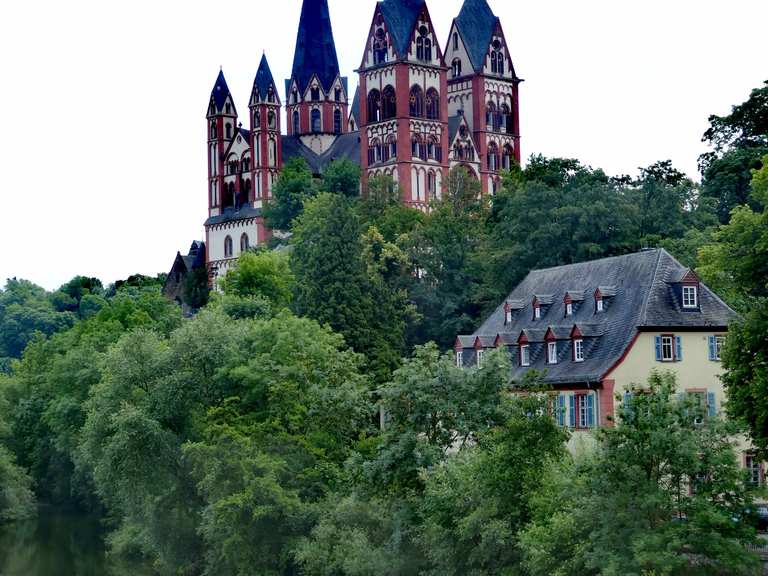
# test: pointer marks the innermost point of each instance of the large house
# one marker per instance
(597, 328)
(421, 108)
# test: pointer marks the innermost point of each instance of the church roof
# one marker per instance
(476, 24)
(644, 300)
(264, 79)
(345, 147)
(400, 17)
(220, 92)
(315, 49)
(355, 110)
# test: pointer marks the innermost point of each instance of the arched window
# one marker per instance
(506, 159)
(456, 67)
(416, 102)
(228, 108)
(248, 190)
(337, 95)
(431, 185)
(295, 95)
(256, 120)
(315, 93)
(229, 195)
(388, 103)
(493, 157)
(316, 127)
(380, 47)
(504, 118)
(494, 66)
(433, 149)
(510, 123)
(228, 247)
(246, 163)
(374, 106)
(213, 130)
(490, 115)
(271, 95)
(433, 104)
(271, 119)
(417, 147)
(229, 131)
(469, 152)
(500, 60)
(272, 152)
(420, 48)
(296, 122)
(455, 40)
(245, 243)
(337, 121)
(427, 49)
(391, 148)
(458, 152)
(423, 45)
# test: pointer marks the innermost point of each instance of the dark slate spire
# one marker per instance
(400, 16)
(476, 23)
(220, 92)
(264, 79)
(315, 48)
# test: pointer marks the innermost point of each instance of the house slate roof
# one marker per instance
(233, 215)
(346, 146)
(400, 17)
(476, 23)
(264, 79)
(220, 92)
(315, 48)
(645, 299)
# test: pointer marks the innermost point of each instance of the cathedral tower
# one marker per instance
(403, 110)
(317, 94)
(483, 89)
(222, 123)
(265, 133)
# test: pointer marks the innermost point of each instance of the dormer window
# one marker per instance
(525, 355)
(459, 359)
(569, 309)
(508, 316)
(271, 95)
(537, 312)
(551, 352)
(599, 304)
(578, 350)
(690, 297)
(480, 354)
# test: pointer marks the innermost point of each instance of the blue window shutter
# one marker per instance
(678, 348)
(712, 349)
(590, 411)
(572, 408)
(711, 404)
(658, 348)
(561, 410)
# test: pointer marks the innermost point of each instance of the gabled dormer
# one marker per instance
(424, 48)
(604, 295)
(406, 28)
(687, 289)
(541, 304)
(457, 55)
(477, 41)
(498, 61)
(572, 301)
(315, 53)
(512, 310)
(380, 46)
(462, 146)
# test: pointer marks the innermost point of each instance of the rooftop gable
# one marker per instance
(315, 48)
(264, 80)
(400, 17)
(476, 23)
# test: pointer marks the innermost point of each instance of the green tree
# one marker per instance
(662, 494)
(341, 177)
(293, 188)
(265, 273)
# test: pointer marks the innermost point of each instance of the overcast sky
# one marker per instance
(103, 143)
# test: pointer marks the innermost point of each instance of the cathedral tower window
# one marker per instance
(272, 152)
(504, 117)
(431, 185)
(456, 68)
(229, 131)
(296, 122)
(388, 103)
(295, 95)
(494, 66)
(416, 102)
(337, 121)
(315, 94)
(213, 130)
(228, 109)
(490, 116)
(374, 106)
(337, 95)
(507, 157)
(493, 157)
(271, 119)
(433, 104)
(271, 96)
(316, 125)
(228, 247)
(380, 47)
(392, 148)
(455, 40)
(256, 120)
(245, 243)
(501, 63)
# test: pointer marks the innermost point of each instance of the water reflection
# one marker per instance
(58, 545)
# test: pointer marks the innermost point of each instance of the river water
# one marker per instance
(57, 544)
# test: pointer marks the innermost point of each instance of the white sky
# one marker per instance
(102, 152)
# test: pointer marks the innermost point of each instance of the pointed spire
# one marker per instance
(315, 48)
(264, 80)
(476, 23)
(220, 92)
(400, 16)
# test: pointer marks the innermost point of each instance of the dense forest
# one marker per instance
(248, 439)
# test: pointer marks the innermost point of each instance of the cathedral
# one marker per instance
(420, 108)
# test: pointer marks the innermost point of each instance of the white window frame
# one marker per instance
(719, 343)
(508, 316)
(754, 467)
(690, 297)
(459, 359)
(569, 309)
(480, 354)
(551, 352)
(600, 305)
(525, 355)
(668, 342)
(578, 350)
(537, 313)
